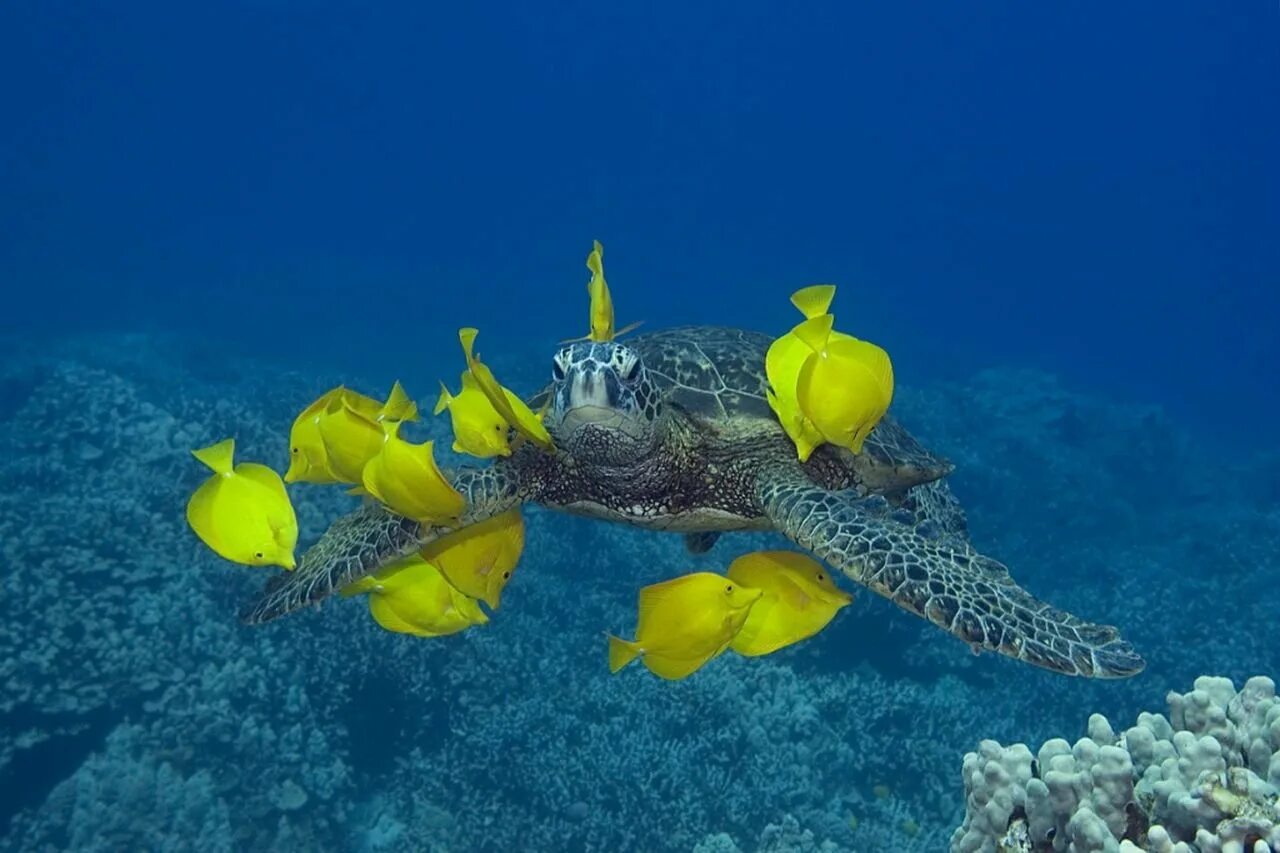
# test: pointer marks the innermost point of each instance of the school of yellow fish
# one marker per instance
(825, 386)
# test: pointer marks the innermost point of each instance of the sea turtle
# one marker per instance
(672, 431)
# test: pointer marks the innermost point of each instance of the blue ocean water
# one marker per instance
(1060, 221)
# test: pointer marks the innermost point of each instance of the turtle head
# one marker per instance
(603, 404)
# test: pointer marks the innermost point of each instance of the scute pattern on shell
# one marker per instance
(710, 371)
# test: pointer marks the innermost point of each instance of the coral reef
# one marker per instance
(1202, 779)
(135, 712)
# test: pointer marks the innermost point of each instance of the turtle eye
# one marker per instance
(557, 372)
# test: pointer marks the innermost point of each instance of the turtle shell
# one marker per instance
(709, 371)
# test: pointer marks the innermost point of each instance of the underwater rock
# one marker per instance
(1191, 778)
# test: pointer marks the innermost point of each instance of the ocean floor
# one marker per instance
(137, 713)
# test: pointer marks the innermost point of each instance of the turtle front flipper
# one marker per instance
(361, 542)
(941, 579)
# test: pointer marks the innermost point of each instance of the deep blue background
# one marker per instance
(1085, 187)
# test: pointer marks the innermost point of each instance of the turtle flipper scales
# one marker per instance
(363, 541)
(942, 579)
(933, 511)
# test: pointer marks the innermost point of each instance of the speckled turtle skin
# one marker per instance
(697, 450)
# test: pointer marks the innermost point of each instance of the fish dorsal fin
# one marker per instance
(815, 300)
(321, 403)
(815, 332)
(684, 593)
(445, 399)
(218, 456)
(398, 406)
(263, 476)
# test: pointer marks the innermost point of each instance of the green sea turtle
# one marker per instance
(672, 431)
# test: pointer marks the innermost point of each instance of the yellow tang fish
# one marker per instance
(845, 385)
(478, 428)
(479, 558)
(243, 512)
(351, 431)
(511, 407)
(411, 596)
(308, 462)
(601, 299)
(683, 623)
(783, 362)
(799, 599)
(406, 479)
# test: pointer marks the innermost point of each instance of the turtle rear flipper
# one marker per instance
(701, 543)
(943, 580)
(364, 541)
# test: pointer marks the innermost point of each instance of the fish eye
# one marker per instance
(821, 577)
(729, 588)
(258, 555)
(293, 449)
(506, 576)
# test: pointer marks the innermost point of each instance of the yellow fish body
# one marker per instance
(308, 461)
(411, 596)
(798, 600)
(507, 404)
(480, 558)
(683, 623)
(845, 385)
(351, 432)
(406, 479)
(601, 298)
(783, 362)
(350, 438)
(478, 428)
(243, 512)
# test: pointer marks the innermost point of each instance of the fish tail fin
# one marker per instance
(468, 338)
(815, 331)
(398, 406)
(815, 300)
(218, 456)
(595, 260)
(445, 399)
(621, 652)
